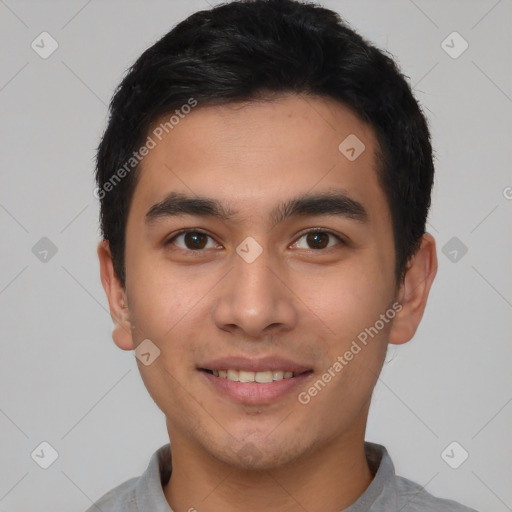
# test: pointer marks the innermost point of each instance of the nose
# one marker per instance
(256, 299)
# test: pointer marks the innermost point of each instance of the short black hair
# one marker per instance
(242, 50)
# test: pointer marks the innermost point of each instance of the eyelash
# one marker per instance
(195, 230)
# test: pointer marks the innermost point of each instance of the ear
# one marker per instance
(116, 295)
(413, 293)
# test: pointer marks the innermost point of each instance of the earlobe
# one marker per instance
(414, 291)
(116, 296)
(122, 338)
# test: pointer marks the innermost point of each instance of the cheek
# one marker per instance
(346, 299)
(157, 299)
(170, 307)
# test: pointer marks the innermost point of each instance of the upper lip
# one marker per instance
(253, 365)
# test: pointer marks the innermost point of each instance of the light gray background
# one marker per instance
(63, 380)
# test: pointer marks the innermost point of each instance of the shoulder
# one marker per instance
(119, 499)
(414, 498)
(141, 493)
(388, 491)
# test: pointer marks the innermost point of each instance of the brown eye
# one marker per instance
(195, 240)
(191, 240)
(318, 240)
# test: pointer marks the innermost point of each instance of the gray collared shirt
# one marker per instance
(386, 493)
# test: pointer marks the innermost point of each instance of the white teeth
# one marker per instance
(277, 375)
(263, 377)
(246, 376)
(233, 375)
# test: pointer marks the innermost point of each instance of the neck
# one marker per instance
(327, 479)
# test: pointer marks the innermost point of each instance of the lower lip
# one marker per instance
(256, 393)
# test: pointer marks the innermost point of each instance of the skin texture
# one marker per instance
(294, 301)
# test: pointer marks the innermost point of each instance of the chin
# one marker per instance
(257, 454)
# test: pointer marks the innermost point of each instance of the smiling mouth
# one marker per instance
(263, 377)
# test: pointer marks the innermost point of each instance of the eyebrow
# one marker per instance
(332, 202)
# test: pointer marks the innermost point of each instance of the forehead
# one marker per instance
(253, 155)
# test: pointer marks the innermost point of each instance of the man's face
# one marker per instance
(255, 287)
